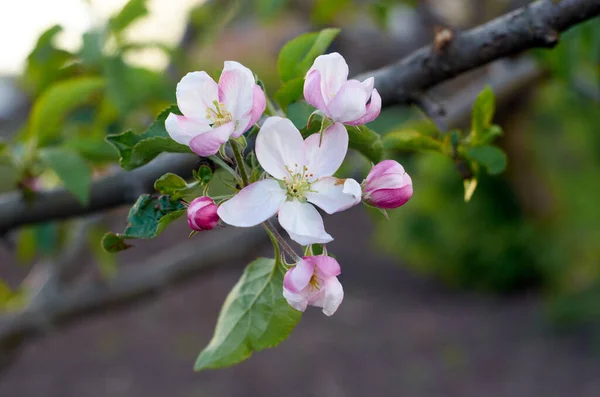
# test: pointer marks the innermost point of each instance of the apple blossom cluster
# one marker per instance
(296, 174)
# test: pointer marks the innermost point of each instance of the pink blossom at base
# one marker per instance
(302, 172)
(347, 101)
(213, 112)
(387, 186)
(202, 214)
(313, 281)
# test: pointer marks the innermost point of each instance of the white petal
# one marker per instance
(298, 301)
(334, 73)
(195, 92)
(368, 86)
(303, 223)
(334, 195)
(350, 103)
(279, 145)
(233, 65)
(334, 295)
(236, 91)
(182, 129)
(324, 159)
(253, 204)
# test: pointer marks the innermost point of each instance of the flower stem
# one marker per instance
(239, 159)
(273, 233)
(271, 110)
(275, 243)
(224, 165)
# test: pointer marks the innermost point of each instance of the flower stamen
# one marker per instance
(219, 115)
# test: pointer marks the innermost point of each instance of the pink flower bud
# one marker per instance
(202, 214)
(387, 185)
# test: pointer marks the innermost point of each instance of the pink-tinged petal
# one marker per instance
(349, 103)
(258, 108)
(195, 92)
(236, 90)
(386, 174)
(313, 93)
(334, 73)
(298, 277)
(303, 223)
(385, 167)
(326, 265)
(324, 159)
(298, 301)
(182, 129)
(334, 295)
(333, 195)
(280, 148)
(390, 198)
(254, 204)
(208, 143)
(373, 110)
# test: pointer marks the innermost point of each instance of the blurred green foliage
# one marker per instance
(497, 242)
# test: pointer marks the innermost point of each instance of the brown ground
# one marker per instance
(394, 335)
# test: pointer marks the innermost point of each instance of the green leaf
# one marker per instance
(493, 158)
(289, 92)
(95, 150)
(298, 113)
(169, 183)
(136, 150)
(204, 174)
(148, 217)
(177, 188)
(26, 244)
(56, 102)
(45, 63)
(324, 11)
(483, 112)
(112, 242)
(367, 142)
(410, 140)
(255, 316)
(267, 9)
(133, 10)
(297, 56)
(107, 263)
(92, 48)
(73, 171)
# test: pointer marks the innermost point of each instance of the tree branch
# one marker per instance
(109, 192)
(130, 284)
(535, 25)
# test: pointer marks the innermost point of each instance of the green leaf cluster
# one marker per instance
(147, 219)
(136, 150)
(178, 189)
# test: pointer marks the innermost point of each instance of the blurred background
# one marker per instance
(499, 296)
